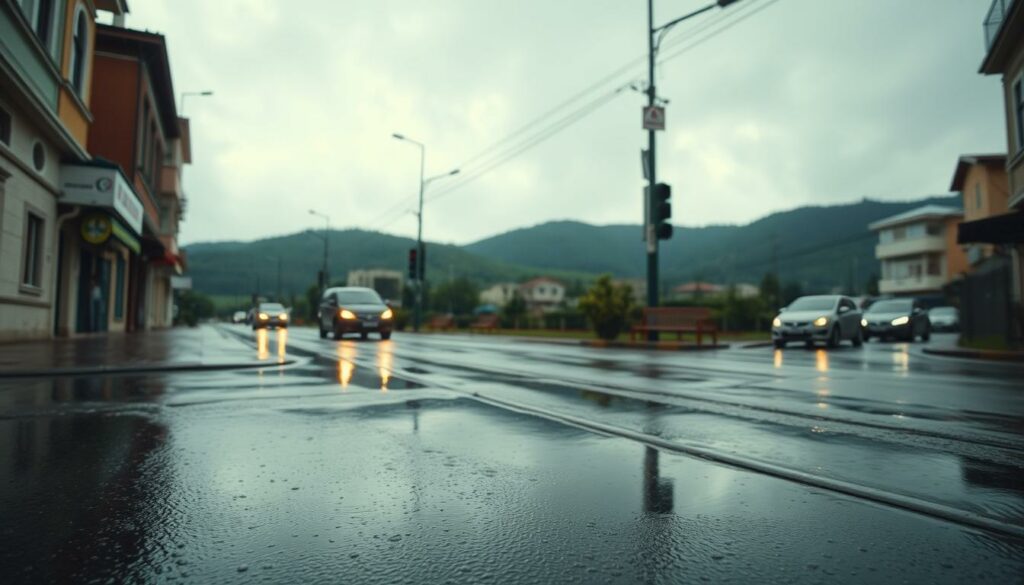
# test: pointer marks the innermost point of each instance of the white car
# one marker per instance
(238, 317)
(825, 318)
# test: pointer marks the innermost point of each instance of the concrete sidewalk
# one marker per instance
(169, 349)
(947, 346)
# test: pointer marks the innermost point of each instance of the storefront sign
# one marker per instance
(121, 233)
(96, 228)
(102, 187)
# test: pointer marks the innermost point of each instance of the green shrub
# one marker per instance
(607, 307)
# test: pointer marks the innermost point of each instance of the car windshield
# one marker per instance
(359, 297)
(899, 306)
(272, 307)
(813, 304)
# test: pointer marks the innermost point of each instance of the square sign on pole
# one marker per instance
(654, 118)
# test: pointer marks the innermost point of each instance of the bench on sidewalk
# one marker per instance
(441, 322)
(678, 320)
(486, 323)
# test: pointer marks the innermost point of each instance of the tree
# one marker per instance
(770, 290)
(193, 307)
(313, 301)
(458, 297)
(791, 292)
(515, 309)
(872, 286)
(607, 307)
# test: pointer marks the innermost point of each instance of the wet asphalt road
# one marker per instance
(458, 459)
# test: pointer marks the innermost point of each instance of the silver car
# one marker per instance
(822, 318)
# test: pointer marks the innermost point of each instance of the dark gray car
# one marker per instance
(351, 309)
(827, 318)
(903, 319)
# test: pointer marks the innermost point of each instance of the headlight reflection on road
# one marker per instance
(901, 361)
(777, 359)
(385, 359)
(282, 344)
(821, 361)
(346, 353)
(262, 352)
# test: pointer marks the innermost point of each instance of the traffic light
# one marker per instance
(661, 211)
(413, 265)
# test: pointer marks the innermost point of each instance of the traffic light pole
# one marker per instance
(652, 237)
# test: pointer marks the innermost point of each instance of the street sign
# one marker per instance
(654, 118)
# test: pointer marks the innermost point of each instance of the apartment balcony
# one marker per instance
(170, 180)
(910, 247)
(919, 284)
(994, 20)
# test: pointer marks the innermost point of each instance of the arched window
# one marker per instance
(79, 50)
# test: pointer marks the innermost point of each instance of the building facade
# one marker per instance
(387, 283)
(499, 294)
(46, 65)
(981, 180)
(918, 251)
(542, 294)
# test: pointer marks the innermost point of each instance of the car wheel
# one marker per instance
(385, 335)
(338, 333)
(323, 332)
(364, 335)
(927, 334)
(858, 340)
(834, 337)
(865, 337)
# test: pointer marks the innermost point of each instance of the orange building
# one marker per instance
(137, 128)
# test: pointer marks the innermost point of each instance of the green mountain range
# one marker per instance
(820, 247)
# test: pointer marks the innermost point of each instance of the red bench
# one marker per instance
(678, 320)
(485, 323)
(441, 322)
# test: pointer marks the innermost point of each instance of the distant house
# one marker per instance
(918, 251)
(542, 294)
(696, 290)
(499, 295)
(387, 283)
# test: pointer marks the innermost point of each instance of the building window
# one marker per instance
(32, 272)
(43, 20)
(119, 288)
(5, 127)
(934, 265)
(1018, 110)
(38, 156)
(79, 51)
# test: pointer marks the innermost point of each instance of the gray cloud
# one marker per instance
(806, 102)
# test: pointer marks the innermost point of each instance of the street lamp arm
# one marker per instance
(663, 29)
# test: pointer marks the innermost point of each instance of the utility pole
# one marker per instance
(417, 314)
(323, 271)
(651, 203)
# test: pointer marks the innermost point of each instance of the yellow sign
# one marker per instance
(96, 228)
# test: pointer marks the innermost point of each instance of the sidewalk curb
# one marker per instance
(156, 368)
(978, 354)
(660, 345)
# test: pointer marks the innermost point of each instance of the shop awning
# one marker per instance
(102, 185)
(999, 229)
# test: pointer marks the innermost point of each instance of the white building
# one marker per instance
(387, 283)
(500, 294)
(918, 251)
(542, 293)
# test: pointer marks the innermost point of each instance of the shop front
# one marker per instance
(100, 250)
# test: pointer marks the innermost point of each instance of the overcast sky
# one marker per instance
(801, 102)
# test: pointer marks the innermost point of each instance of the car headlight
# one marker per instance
(821, 321)
(283, 316)
(900, 321)
(346, 314)
(264, 316)
(776, 322)
(863, 322)
(387, 314)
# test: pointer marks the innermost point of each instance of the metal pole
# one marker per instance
(652, 238)
(420, 267)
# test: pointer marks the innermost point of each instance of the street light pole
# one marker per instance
(417, 316)
(654, 38)
(327, 226)
(185, 94)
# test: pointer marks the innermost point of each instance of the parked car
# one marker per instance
(351, 309)
(903, 319)
(238, 317)
(944, 319)
(825, 318)
(267, 315)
